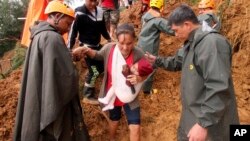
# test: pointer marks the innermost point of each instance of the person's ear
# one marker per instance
(57, 15)
(187, 25)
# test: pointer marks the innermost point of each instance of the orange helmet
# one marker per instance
(59, 6)
(207, 4)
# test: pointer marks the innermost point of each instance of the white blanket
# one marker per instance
(121, 89)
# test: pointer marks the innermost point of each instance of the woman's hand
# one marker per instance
(75, 57)
(79, 53)
(134, 79)
(80, 50)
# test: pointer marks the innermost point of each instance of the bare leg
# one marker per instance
(135, 130)
(112, 129)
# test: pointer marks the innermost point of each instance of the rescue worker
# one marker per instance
(90, 25)
(48, 105)
(207, 14)
(207, 92)
(149, 38)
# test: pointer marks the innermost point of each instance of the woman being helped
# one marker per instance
(110, 53)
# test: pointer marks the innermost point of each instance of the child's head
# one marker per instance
(141, 68)
(206, 6)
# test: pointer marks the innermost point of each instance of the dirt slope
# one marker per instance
(160, 111)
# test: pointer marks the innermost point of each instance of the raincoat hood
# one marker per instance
(151, 14)
(41, 26)
(199, 33)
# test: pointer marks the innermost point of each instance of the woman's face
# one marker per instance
(125, 44)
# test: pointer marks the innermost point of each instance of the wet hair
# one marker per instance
(125, 29)
(182, 14)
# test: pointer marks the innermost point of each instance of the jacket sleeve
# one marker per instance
(73, 33)
(101, 54)
(214, 61)
(163, 25)
(104, 30)
(212, 20)
(172, 63)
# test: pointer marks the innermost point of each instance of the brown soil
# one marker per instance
(161, 111)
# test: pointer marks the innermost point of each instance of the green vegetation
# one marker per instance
(16, 61)
(10, 26)
(11, 29)
(6, 45)
(19, 56)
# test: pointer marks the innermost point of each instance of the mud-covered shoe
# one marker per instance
(147, 92)
(89, 96)
(90, 100)
(88, 91)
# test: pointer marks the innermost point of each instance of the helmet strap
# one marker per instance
(58, 19)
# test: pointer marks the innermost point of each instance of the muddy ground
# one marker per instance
(161, 110)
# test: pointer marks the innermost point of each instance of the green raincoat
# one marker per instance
(207, 92)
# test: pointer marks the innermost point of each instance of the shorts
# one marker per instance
(111, 16)
(133, 116)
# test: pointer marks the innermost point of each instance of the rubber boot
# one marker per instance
(89, 95)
